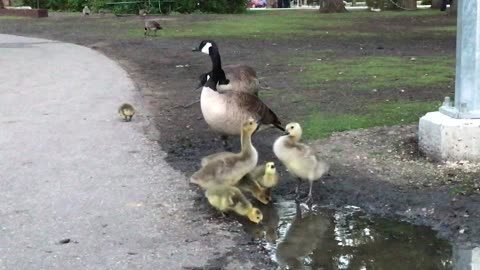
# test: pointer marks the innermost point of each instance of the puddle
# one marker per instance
(347, 238)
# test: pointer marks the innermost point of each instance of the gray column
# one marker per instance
(467, 82)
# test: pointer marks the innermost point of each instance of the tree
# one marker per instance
(436, 4)
(331, 6)
(408, 4)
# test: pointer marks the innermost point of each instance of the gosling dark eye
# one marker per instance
(291, 127)
(273, 166)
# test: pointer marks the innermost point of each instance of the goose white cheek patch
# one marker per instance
(208, 77)
(206, 48)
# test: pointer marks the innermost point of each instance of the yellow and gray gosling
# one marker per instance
(266, 175)
(227, 167)
(126, 111)
(299, 158)
(249, 185)
(229, 198)
(152, 26)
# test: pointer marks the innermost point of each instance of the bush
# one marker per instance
(223, 6)
(181, 6)
(186, 6)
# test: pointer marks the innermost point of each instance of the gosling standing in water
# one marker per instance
(126, 111)
(229, 198)
(299, 158)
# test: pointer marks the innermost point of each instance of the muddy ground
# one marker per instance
(379, 169)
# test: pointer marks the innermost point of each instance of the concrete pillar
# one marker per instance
(453, 133)
(466, 258)
(467, 83)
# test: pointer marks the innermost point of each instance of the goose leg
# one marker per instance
(297, 196)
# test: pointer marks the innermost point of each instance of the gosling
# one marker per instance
(299, 158)
(247, 184)
(126, 111)
(152, 26)
(229, 198)
(226, 167)
(265, 175)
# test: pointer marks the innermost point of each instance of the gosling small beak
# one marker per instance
(286, 133)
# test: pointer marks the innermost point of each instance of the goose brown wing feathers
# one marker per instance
(262, 112)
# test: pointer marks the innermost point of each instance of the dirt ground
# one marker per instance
(379, 169)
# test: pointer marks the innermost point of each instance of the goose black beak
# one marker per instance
(195, 49)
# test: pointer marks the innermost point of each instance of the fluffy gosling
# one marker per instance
(126, 111)
(228, 168)
(229, 198)
(299, 159)
(247, 184)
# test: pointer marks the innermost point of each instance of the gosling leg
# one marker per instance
(309, 197)
(297, 196)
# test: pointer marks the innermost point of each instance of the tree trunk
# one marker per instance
(408, 4)
(453, 7)
(331, 6)
(436, 4)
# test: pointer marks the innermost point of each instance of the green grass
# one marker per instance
(388, 72)
(321, 125)
(442, 29)
(257, 26)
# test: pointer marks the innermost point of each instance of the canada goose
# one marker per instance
(247, 184)
(228, 198)
(241, 78)
(86, 11)
(298, 157)
(126, 111)
(152, 26)
(225, 111)
(229, 168)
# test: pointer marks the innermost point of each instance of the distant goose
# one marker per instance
(225, 112)
(152, 26)
(86, 11)
(241, 78)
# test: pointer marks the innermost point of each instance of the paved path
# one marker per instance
(70, 168)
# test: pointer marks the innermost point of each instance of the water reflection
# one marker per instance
(348, 239)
